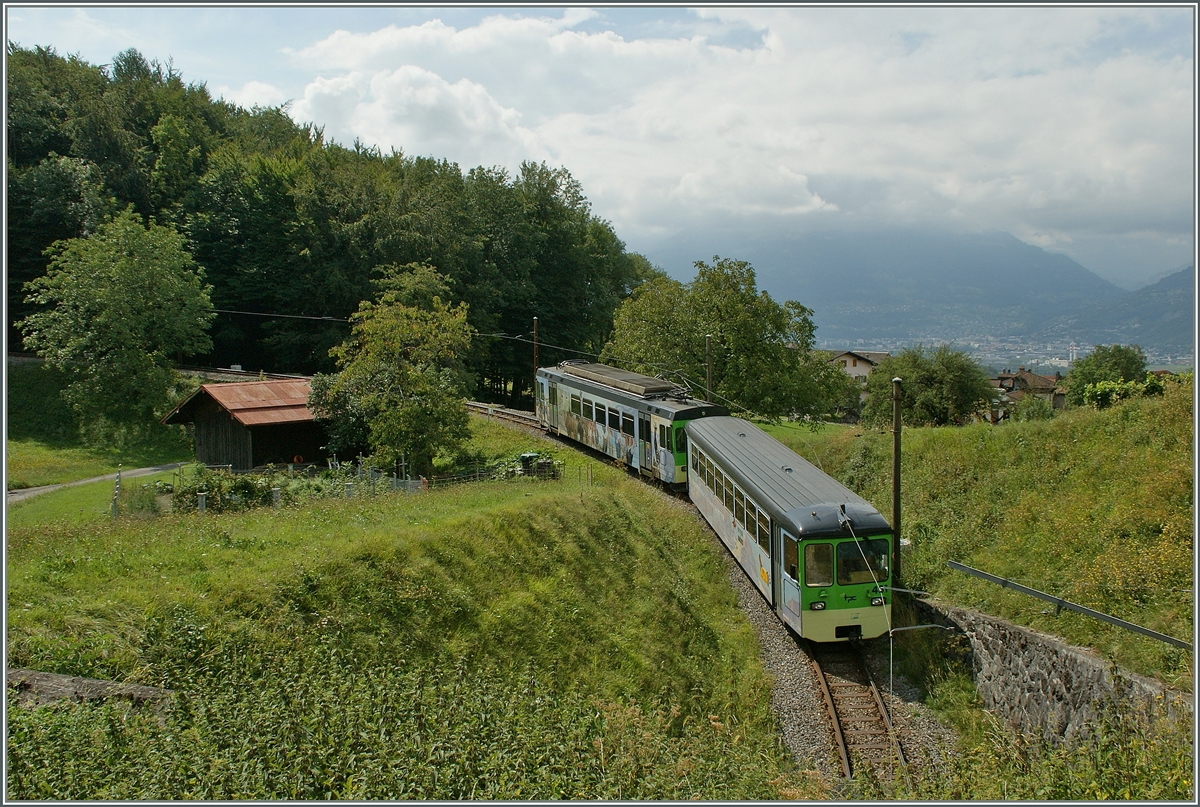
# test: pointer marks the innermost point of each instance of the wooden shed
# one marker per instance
(254, 423)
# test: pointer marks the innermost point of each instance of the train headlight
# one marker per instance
(877, 601)
(817, 606)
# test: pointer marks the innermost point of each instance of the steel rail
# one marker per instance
(887, 719)
(835, 721)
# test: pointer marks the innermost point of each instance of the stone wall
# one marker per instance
(1038, 684)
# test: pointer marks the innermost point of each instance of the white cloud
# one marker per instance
(252, 93)
(1055, 124)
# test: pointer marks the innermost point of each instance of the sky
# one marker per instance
(1071, 128)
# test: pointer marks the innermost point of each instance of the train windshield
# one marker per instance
(862, 561)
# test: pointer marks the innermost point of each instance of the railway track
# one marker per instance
(500, 413)
(862, 728)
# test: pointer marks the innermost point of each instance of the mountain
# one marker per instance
(907, 285)
(1160, 317)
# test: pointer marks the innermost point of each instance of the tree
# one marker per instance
(939, 387)
(1104, 363)
(115, 307)
(400, 385)
(762, 352)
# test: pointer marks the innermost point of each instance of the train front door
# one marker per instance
(791, 578)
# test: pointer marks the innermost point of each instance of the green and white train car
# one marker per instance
(816, 551)
(633, 418)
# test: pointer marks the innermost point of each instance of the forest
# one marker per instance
(288, 225)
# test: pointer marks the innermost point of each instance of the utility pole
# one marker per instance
(896, 426)
(533, 388)
(708, 364)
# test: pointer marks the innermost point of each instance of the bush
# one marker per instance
(1031, 407)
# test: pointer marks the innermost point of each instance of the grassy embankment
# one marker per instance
(43, 445)
(503, 639)
(1094, 507)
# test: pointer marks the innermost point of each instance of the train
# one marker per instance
(818, 553)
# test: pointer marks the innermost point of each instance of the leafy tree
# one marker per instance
(762, 352)
(400, 384)
(115, 307)
(1104, 363)
(939, 387)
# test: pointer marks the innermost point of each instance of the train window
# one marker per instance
(751, 519)
(764, 531)
(739, 506)
(664, 437)
(818, 564)
(576, 408)
(588, 410)
(680, 440)
(791, 559)
(862, 561)
(614, 418)
(708, 473)
(729, 497)
(627, 424)
(553, 395)
(696, 461)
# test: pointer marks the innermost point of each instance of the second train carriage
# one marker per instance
(633, 418)
(818, 552)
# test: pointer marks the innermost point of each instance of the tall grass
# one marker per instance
(517, 639)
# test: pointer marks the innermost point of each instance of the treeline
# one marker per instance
(284, 223)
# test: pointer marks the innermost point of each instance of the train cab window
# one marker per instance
(576, 408)
(764, 531)
(680, 440)
(791, 557)
(818, 564)
(627, 424)
(862, 561)
(614, 418)
(588, 411)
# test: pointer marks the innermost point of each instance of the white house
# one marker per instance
(859, 363)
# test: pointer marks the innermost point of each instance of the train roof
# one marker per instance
(625, 380)
(783, 482)
(669, 403)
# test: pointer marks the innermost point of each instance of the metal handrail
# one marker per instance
(1060, 604)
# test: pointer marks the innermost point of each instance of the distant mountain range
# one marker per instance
(939, 287)
(1159, 316)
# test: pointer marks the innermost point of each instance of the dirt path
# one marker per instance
(22, 494)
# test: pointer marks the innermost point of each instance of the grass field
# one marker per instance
(518, 639)
(43, 445)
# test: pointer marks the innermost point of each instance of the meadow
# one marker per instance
(45, 446)
(519, 639)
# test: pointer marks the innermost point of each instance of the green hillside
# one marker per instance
(1091, 506)
(515, 640)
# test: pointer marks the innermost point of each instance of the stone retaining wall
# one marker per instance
(1040, 685)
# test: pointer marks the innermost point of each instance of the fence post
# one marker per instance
(349, 490)
(201, 500)
(276, 498)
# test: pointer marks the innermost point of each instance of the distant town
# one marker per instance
(1001, 352)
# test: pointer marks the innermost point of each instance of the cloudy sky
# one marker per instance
(1071, 128)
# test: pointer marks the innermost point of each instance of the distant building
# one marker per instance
(252, 424)
(859, 363)
(1014, 386)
